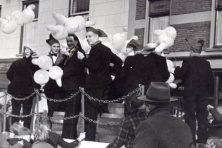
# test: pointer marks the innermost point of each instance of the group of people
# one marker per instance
(104, 76)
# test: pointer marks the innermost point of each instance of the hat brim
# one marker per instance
(144, 98)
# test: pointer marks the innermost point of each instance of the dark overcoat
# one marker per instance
(196, 75)
(20, 75)
(161, 130)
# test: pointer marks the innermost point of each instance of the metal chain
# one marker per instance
(22, 99)
(111, 101)
(63, 100)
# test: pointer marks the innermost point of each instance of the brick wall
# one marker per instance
(193, 32)
(140, 9)
(190, 6)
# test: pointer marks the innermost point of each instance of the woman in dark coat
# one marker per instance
(20, 75)
(72, 79)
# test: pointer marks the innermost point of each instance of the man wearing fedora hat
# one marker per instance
(161, 129)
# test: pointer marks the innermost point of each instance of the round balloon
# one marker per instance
(55, 72)
(45, 62)
(118, 41)
(41, 77)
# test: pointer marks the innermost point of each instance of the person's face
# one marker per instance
(71, 42)
(91, 37)
(55, 48)
(27, 52)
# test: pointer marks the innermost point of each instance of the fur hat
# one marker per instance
(51, 40)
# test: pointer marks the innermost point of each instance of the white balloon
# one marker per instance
(171, 32)
(59, 82)
(28, 14)
(45, 62)
(118, 41)
(59, 32)
(8, 25)
(59, 18)
(85, 45)
(35, 61)
(17, 16)
(55, 72)
(41, 77)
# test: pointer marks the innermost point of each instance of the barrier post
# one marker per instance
(82, 107)
(4, 113)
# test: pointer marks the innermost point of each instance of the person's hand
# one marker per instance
(113, 77)
(209, 107)
(80, 55)
(21, 142)
(81, 136)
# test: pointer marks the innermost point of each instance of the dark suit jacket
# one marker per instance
(196, 75)
(97, 63)
(73, 73)
(20, 75)
(156, 67)
(161, 130)
(135, 72)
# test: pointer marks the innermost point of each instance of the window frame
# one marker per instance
(24, 3)
(217, 9)
(84, 13)
(0, 10)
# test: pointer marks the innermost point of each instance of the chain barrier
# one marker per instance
(60, 100)
(21, 99)
(58, 118)
(137, 90)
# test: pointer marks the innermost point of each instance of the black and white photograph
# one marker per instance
(110, 73)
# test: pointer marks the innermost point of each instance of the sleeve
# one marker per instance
(121, 139)
(65, 144)
(180, 72)
(145, 137)
(117, 64)
(10, 72)
(164, 69)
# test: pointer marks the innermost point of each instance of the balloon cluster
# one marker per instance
(9, 24)
(165, 39)
(117, 43)
(47, 71)
(64, 26)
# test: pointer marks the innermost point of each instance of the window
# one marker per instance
(78, 7)
(157, 23)
(159, 16)
(29, 31)
(32, 2)
(218, 27)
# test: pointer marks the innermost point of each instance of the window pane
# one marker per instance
(79, 6)
(36, 10)
(157, 23)
(218, 38)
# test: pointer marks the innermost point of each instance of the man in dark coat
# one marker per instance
(51, 89)
(161, 129)
(197, 78)
(20, 75)
(73, 78)
(98, 77)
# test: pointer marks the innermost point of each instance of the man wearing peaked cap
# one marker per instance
(161, 129)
